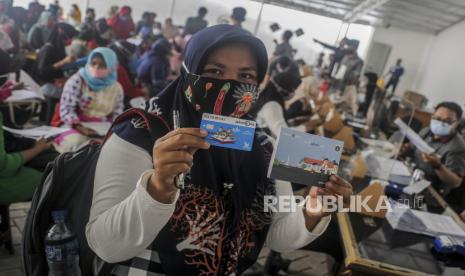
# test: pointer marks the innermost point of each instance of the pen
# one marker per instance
(179, 181)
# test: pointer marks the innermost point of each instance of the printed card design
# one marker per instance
(229, 132)
(304, 158)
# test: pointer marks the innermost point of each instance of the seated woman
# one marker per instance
(270, 111)
(39, 32)
(154, 69)
(217, 224)
(21, 159)
(17, 180)
(91, 95)
(48, 65)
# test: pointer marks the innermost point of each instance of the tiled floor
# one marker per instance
(303, 262)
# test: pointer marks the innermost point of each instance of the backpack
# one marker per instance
(65, 186)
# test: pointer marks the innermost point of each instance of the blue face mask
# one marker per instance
(440, 128)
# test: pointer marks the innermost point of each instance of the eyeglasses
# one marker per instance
(447, 121)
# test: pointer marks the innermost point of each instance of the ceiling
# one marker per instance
(426, 16)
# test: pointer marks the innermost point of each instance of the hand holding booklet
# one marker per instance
(304, 158)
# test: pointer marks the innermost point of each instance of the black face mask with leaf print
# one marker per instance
(221, 97)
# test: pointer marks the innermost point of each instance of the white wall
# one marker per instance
(411, 47)
(444, 71)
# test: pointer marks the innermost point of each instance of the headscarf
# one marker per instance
(111, 61)
(42, 25)
(125, 52)
(60, 33)
(5, 41)
(217, 166)
(281, 86)
(122, 28)
(155, 65)
(76, 14)
(44, 18)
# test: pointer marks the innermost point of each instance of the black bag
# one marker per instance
(68, 184)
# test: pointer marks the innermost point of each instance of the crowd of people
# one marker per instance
(89, 69)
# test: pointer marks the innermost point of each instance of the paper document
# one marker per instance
(38, 132)
(387, 169)
(414, 138)
(405, 219)
(24, 95)
(416, 187)
(29, 82)
(357, 125)
(100, 127)
(304, 158)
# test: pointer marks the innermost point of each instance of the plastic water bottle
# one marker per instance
(61, 247)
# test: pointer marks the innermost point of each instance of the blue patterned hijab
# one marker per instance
(111, 61)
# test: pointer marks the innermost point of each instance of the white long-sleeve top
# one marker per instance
(271, 116)
(124, 219)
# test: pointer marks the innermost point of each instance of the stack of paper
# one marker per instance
(416, 187)
(38, 132)
(405, 219)
(24, 95)
(387, 169)
(414, 138)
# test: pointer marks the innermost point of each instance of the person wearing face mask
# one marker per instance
(122, 24)
(47, 68)
(445, 168)
(91, 95)
(101, 35)
(270, 111)
(39, 32)
(22, 160)
(74, 15)
(216, 224)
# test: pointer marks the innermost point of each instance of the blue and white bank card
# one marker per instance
(229, 132)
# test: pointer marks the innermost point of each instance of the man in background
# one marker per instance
(396, 72)
(238, 16)
(339, 52)
(195, 24)
(285, 48)
(445, 167)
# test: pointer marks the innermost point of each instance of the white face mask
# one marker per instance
(439, 128)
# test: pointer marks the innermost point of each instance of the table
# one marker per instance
(372, 247)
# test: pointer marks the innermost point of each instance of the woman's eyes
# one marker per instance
(218, 73)
(213, 72)
(248, 76)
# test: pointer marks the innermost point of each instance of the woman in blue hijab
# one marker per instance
(217, 224)
(155, 68)
(91, 95)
